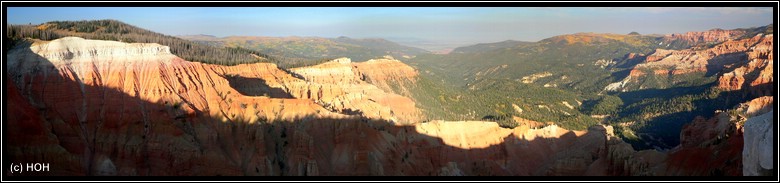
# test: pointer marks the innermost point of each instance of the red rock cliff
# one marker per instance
(714, 35)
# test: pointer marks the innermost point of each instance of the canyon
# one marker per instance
(95, 107)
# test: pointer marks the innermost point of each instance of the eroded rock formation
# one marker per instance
(341, 85)
(714, 35)
(723, 55)
(103, 107)
(738, 63)
(756, 73)
(106, 108)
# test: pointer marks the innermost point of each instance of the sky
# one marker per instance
(412, 25)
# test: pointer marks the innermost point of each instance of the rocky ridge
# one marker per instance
(714, 35)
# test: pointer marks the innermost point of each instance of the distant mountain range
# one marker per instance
(435, 46)
(483, 47)
(314, 47)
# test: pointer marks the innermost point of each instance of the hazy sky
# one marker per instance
(450, 25)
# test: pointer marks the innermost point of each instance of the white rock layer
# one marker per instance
(757, 154)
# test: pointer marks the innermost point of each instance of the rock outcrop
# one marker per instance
(758, 153)
(756, 106)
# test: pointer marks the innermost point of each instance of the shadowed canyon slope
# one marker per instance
(108, 108)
